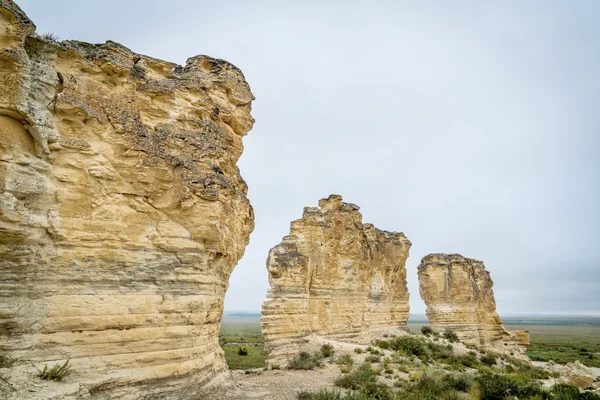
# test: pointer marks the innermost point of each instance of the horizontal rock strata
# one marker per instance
(122, 214)
(459, 297)
(335, 277)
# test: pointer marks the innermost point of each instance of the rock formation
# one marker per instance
(459, 297)
(574, 374)
(335, 277)
(122, 214)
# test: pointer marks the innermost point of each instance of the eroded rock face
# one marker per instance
(459, 297)
(122, 213)
(336, 277)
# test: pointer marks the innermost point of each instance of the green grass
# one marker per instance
(242, 332)
(553, 338)
(565, 344)
(254, 359)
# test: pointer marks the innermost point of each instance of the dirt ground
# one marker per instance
(285, 384)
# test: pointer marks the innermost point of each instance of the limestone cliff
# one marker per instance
(336, 277)
(122, 213)
(459, 297)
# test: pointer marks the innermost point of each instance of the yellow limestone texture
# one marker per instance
(459, 297)
(122, 214)
(335, 277)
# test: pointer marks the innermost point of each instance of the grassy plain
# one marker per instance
(244, 332)
(562, 339)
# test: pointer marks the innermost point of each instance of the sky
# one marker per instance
(473, 127)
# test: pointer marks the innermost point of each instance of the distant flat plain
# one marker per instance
(559, 338)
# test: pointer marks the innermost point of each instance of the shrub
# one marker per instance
(429, 387)
(320, 395)
(346, 359)
(375, 391)
(344, 369)
(461, 383)
(451, 336)
(404, 368)
(303, 360)
(51, 36)
(440, 352)
(566, 392)
(489, 360)
(56, 373)
(384, 344)
(410, 345)
(6, 361)
(373, 358)
(427, 330)
(327, 350)
(498, 387)
(374, 351)
(242, 351)
(358, 350)
(357, 379)
(275, 366)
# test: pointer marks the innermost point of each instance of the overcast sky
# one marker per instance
(473, 127)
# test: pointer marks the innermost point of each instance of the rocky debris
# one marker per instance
(459, 297)
(122, 214)
(335, 277)
(575, 374)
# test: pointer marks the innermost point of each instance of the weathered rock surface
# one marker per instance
(575, 374)
(122, 214)
(336, 277)
(459, 297)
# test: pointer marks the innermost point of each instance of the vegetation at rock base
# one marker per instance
(427, 330)
(327, 350)
(304, 360)
(6, 361)
(419, 367)
(57, 373)
(451, 336)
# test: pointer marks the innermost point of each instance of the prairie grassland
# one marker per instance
(242, 332)
(562, 339)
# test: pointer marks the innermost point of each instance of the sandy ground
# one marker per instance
(285, 384)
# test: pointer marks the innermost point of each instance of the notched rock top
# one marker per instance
(459, 297)
(336, 277)
(122, 211)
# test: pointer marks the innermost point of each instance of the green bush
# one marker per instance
(451, 336)
(374, 391)
(498, 387)
(357, 379)
(242, 351)
(304, 361)
(489, 360)
(373, 358)
(430, 387)
(320, 395)
(346, 359)
(440, 352)
(327, 350)
(410, 345)
(567, 392)
(462, 383)
(427, 330)
(358, 350)
(6, 361)
(57, 373)
(384, 344)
